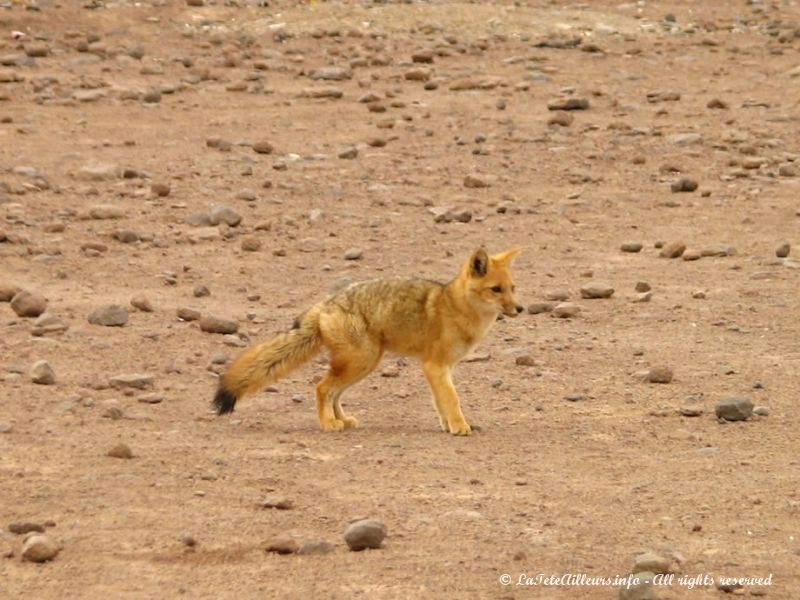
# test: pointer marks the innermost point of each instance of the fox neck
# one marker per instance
(477, 317)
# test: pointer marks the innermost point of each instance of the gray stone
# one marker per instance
(316, 547)
(366, 533)
(282, 545)
(136, 381)
(540, 307)
(735, 408)
(48, 323)
(566, 310)
(631, 246)
(106, 212)
(596, 289)
(761, 411)
(112, 315)
(42, 373)
(225, 214)
(99, 172)
(354, 254)
(211, 324)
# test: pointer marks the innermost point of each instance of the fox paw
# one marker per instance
(350, 422)
(332, 425)
(460, 428)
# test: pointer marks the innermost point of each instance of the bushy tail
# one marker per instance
(260, 365)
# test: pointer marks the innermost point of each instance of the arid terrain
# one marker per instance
(169, 169)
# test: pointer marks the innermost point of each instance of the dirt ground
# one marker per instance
(123, 124)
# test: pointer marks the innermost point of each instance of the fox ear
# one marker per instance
(508, 256)
(479, 263)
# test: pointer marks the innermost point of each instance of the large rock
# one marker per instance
(28, 304)
(112, 315)
(363, 534)
(735, 408)
(40, 547)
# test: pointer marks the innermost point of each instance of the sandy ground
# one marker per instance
(106, 105)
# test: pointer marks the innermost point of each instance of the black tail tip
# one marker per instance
(224, 401)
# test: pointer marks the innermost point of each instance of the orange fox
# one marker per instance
(438, 323)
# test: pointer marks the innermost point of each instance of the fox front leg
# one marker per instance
(446, 398)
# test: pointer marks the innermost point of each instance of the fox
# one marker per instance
(437, 323)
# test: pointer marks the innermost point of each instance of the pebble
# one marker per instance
(8, 291)
(322, 92)
(263, 147)
(211, 324)
(474, 181)
(112, 410)
(160, 189)
(690, 255)
(225, 214)
(42, 373)
(28, 304)
(331, 73)
(279, 502)
(188, 314)
(40, 547)
(152, 96)
(187, 540)
(540, 307)
(718, 250)
(142, 303)
(137, 381)
(595, 290)
(691, 411)
(526, 360)
(106, 212)
(448, 214)
(672, 250)
(250, 243)
(659, 374)
(282, 545)
(120, 451)
(761, 411)
(348, 153)
(354, 254)
(568, 104)
(562, 118)
(644, 297)
(198, 219)
(557, 295)
(735, 408)
(650, 561)
(566, 310)
(112, 315)
(366, 533)
(684, 184)
(631, 247)
(573, 397)
(316, 547)
(640, 587)
(717, 104)
(126, 236)
(152, 398)
(25, 527)
(783, 249)
(699, 295)
(6, 427)
(418, 74)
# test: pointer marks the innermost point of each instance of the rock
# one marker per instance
(659, 374)
(735, 408)
(684, 184)
(152, 398)
(348, 153)
(99, 172)
(761, 411)
(672, 250)
(718, 250)
(783, 249)
(331, 73)
(279, 502)
(322, 92)
(126, 236)
(282, 545)
(8, 291)
(650, 561)
(366, 533)
(557, 295)
(120, 451)
(112, 315)
(640, 587)
(475, 181)
(690, 255)
(225, 214)
(201, 291)
(526, 360)
(25, 527)
(160, 189)
(198, 219)
(573, 397)
(40, 547)
(47, 323)
(137, 381)
(354, 254)
(418, 74)
(251, 243)
(106, 212)
(595, 290)
(631, 246)
(566, 310)
(643, 297)
(211, 324)
(787, 170)
(448, 214)
(691, 411)
(152, 96)
(112, 410)
(28, 304)
(562, 118)
(316, 547)
(263, 147)
(540, 307)
(142, 303)
(568, 104)
(686, 139)
(42, 373)
(6, 427)
(187, 540)
(188, 314)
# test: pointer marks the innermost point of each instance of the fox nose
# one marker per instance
(519, 309)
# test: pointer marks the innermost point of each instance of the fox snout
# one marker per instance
(512, 311)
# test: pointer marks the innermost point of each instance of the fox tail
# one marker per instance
(260, 365)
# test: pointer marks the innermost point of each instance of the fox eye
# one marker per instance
(497, 289)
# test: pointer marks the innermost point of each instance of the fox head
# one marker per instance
(489, 282)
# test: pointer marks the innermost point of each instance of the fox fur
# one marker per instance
(437, 323)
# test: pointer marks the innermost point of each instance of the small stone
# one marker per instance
(137, 381)
(562, 118)
(112, 410)
(418, 74)
(631, 246)
(718, 250)
(526, 360)
(716, 103)
(251, 243)
(684, 184)
(188, 314)
(187, 540)
(225, 214)
(99, 172)
(211, 324)
(316, 547)
(322, 92)
(691, 411)
(540, 307)
(282, 545)
(595, 290)
(348, 153)
(8, 291)
(659, 374)
(152, 96)
(475, 181)
(650, 561)
(40, 547)
(354, 254)
(557, 295)
(25, 527)
(151, 398)
(126, 236)
(691, 255)
(160, 189)
(568, 104)
(28, 304)
(566, 310)
(112, 315)
(366, 533)
(198, 219)
(37, 50)
(573, 397)
(787, 170)
(279, 502)
(672, 250)
(331, 73)
(142, 303)
(783, 249)
(640, 587)
(120, 451)
(6, 427)
(263, 147)
(42, 373)
(761, 411)
(106, 212)
(735, 408)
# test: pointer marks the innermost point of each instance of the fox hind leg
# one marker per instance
(349, 365)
